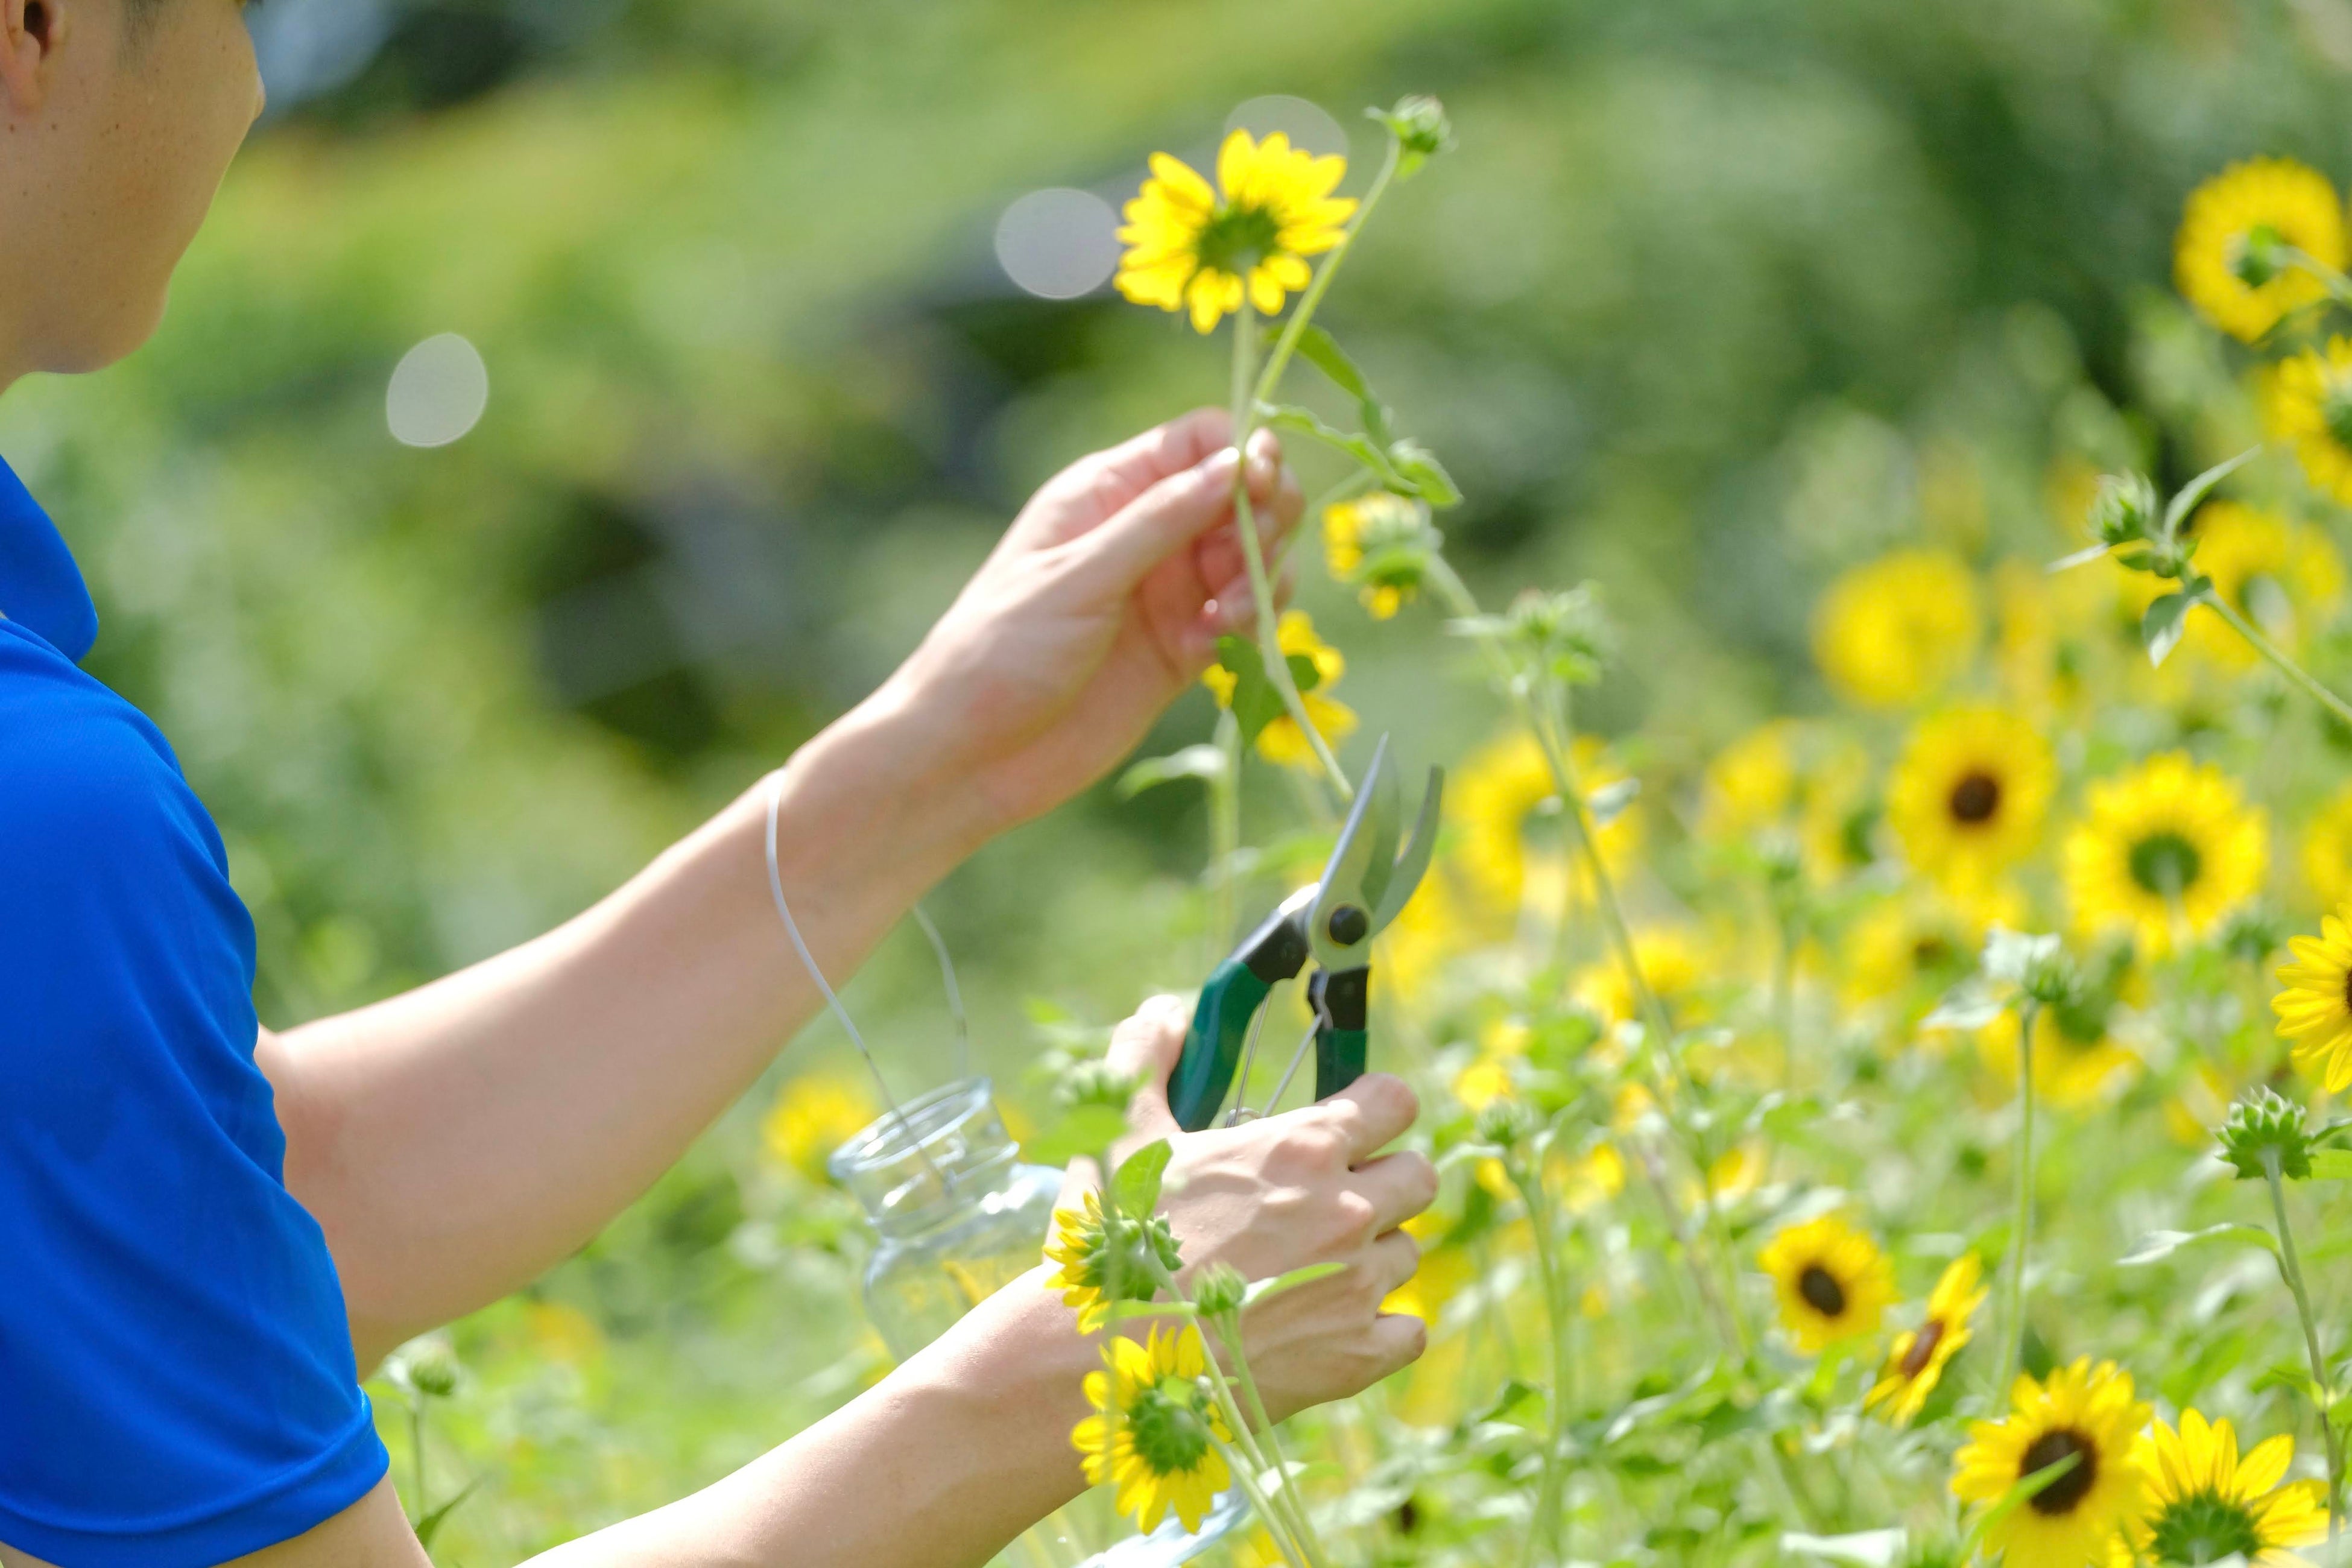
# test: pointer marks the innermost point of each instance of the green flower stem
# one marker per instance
(1544, 1529)
(1283, 346)
(416, 1453)
(1784, 1000)
(2013, 1310)
(1229, 1329)
(2277, 655)
(2292, 1267)
(1239, 1464)
(1224, 834)
(2335, 282)
(1269, 622)
(1723, 1306)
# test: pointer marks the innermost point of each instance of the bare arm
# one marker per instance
(457, 1141)
(968, 1443)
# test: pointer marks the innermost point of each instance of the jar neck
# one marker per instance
(939, 1157)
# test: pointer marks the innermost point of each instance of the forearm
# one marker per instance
(940, 1464)
(457, 1140)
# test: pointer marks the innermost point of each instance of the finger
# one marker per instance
(1218, 555)
(1395, 1259)
(1369, 1113)
(1146, 1046)
(1399, 1187)
(1398, 1340)
(1112, 477)
(1166, 518)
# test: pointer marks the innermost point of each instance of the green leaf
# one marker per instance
(2079, 558)
(1255, 702)
(1423, 474)
(1303, 672)
(430, 1525)
(2161, 627)
(2158, 1244)
(1137, 1185)
(1201, 761)
(1322, 351)
(1868, 1548)
(2197, 489)
(1085, 1130)
(2332, 1165)
(1295, 421)
(1126, 1312)
(1281, 1284)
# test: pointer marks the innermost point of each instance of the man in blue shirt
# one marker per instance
(207, 1232)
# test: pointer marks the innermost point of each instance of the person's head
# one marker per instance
(118, 118)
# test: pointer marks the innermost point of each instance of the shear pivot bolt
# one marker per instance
(1348, 925)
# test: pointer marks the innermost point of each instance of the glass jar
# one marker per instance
(957, 1217)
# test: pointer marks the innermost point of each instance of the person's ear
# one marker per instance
(31, 34)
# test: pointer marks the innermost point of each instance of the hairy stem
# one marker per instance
(1288, 343)
(2292, 1267)
(1544, 1529)
(2277, 655)
(2012, 1311)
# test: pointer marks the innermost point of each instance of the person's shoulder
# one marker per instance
(81, 768)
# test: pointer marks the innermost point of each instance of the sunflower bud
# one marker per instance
(2254, 256)
(2264, 1128)
(1505, 1124)
(1568, 634)
(1421, 131)
(427, 1367)
(1383, 543)
(1219, 1291)
(1096, 1083)
(2124, 511)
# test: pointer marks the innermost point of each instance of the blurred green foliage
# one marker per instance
(1715, 298)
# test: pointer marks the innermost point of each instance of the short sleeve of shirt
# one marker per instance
(177, 1377)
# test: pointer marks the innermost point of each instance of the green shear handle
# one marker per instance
(1332, 922)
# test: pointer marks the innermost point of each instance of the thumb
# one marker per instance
(1146, 1047)
(1170, 516)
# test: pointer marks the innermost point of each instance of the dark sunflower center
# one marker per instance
(1922, 1349)
(1237, 239)
(2165, 864)
(2335, 412)
(1821, 1291)
(1170, 1434)
(1930, 953)
(2203, 1528)
(2066, 1493)
(2254, 257)
(2348, 990)
(1976, 798)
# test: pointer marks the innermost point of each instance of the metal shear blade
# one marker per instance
(1367, 883)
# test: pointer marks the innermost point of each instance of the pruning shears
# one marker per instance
(1363, 889)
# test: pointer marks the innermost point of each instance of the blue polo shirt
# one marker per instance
(177, 1377)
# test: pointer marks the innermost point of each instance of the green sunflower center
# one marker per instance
(1171, 1432)
(2335, 412)
(1975, 799)
(2254, 257)
(2203, 1528)
(1923, 1348)
(1235, 240)
(2065, 1494)
(1821, 1291)
(2165, 864)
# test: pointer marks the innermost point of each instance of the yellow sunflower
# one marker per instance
(1513, 842)
(1382, 543)
(1896, 629)
(1675, 963)
(2076, 1061)
(2206, 1504)
(1911, 950)
(1833, 1283)
(2038, 647)
(1162, 1452)
(2307, 402)
(2084, 1414)
(1280, 741)
(1968, 797)
(1915, 1360)
(2283, 576)
(2327, 850)
(2315, 1011)
(2169, 847)
(2220, 259)
(814, 1115)
(1192, 248)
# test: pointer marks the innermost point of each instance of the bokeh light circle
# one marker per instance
(439, 392)
(1308, 124)
(1058, 243)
